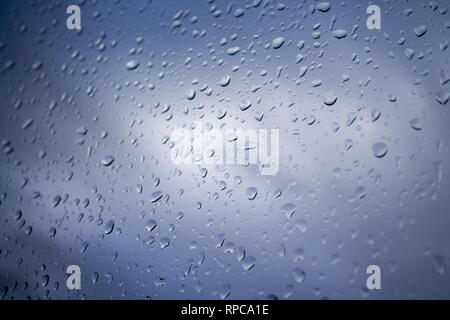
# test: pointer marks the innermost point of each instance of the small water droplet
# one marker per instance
(299, 275)
(288, 209)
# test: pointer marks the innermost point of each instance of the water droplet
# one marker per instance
(251, 193)
(94, 277)
(245, 105)
(302, 71)
(150, 240)
(379, 149)
(52, 232)
(439, 264)
(288, 209)
(109, 227)
(420, 30)
(132, 64)
(225, 81)
(339, 33)
(330, 98)
(277, 42)
(233, 50)
(224, 291)
(107, 160)
(56, 201)
(323, 6)
(416, 124)
(248, 262)
(299, 275)
(203, 172)
(45, 279)
(18, 215)
(157, 195)
(310, 120)
(164, 242)
(392, 98)
(191, 94)
(301, 225)
(150, 225)
(27, 123)
(37, 65)
(239, 12)
(375, 115)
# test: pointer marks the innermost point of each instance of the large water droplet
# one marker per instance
(415, 124)
(132, 64)
(109, 227)
(277, 42)
(164, 242)
(420, 30)
(107, 160)
(251, 193)
(323, 6)
(150, 225)
(339, 33)
(379, 149)
(248, 262)
(156, 196)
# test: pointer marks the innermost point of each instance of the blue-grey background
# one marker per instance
(69, 105)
